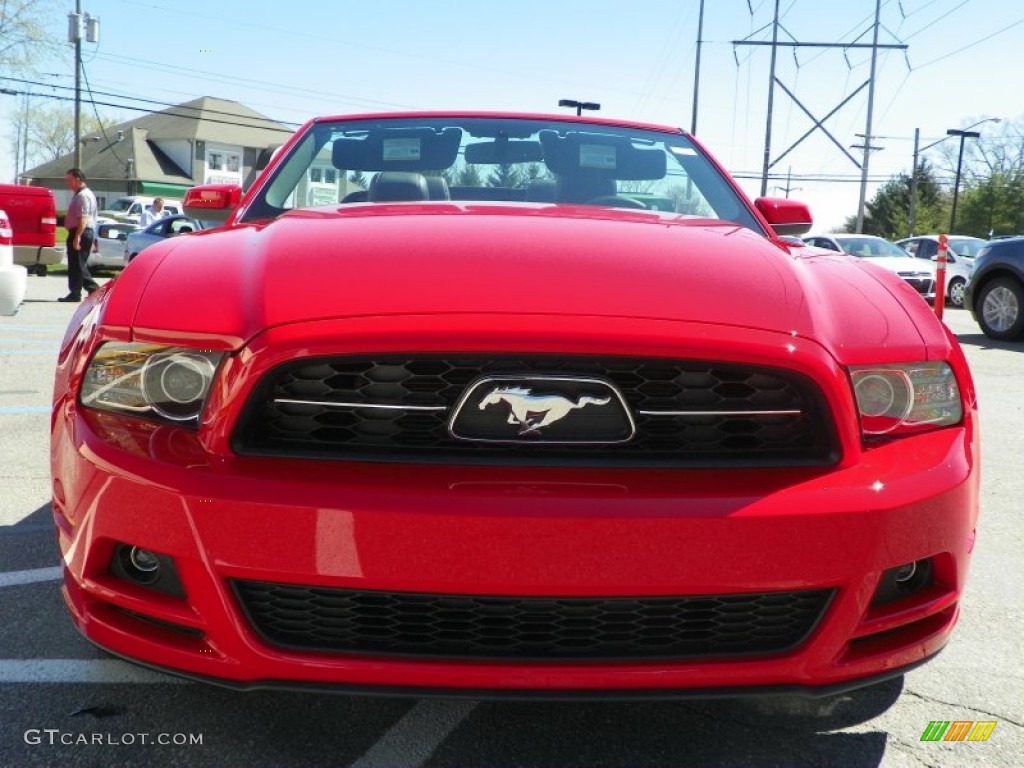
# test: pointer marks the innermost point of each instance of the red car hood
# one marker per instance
(432, 259)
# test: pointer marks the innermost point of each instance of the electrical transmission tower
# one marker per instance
(775, 44)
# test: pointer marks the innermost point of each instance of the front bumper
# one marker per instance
(507, 532)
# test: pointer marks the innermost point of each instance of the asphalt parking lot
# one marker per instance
(64, 702)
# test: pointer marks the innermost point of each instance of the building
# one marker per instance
(204, 141)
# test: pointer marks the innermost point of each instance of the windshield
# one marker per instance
(120, 205)
(869, 246)
(498, 159)
(965, 246)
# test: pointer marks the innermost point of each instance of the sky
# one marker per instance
(637, 60)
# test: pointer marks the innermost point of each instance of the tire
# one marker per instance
(39, 270)
(955, 292)
(999, 308)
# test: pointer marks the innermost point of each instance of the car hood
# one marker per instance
(413, 259)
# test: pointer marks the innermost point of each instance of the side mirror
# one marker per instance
(787, 217)
(212, 202)
(123, 237)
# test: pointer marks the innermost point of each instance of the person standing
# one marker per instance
(151, 214)
(79, 223)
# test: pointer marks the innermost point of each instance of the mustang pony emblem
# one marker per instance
(532, 412)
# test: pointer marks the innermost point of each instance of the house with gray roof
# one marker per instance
(204, 141)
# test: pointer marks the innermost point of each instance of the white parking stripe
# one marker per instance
(106, 671)
(13, 578)
(412, 740)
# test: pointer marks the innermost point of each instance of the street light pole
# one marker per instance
(579, 106)
(959, 164)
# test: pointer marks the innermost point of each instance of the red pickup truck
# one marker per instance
(33, 216)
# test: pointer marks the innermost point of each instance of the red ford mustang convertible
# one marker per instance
(481, 404)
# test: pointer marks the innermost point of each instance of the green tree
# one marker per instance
(26, 33)
(359, 179)
(50, 131)
(468, 176)
(887, 214)
(505, 175)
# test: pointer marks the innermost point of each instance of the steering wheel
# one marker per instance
(617, 202)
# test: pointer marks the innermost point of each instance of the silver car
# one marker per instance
(959, 260)
(108, 244)
(920, 275)
(161, 229)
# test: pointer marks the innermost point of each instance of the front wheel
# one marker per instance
(39, 270)
(957, 289)
(1000, 309)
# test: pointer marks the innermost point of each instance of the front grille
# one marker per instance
(538, 628)
(687, 413)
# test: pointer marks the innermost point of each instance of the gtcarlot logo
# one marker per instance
(55, 736)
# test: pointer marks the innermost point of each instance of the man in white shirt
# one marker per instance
(79, 222)
(151, 214)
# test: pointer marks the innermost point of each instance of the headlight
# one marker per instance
(169, 383)
(896, 399)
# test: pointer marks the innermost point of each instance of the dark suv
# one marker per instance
(995, 294)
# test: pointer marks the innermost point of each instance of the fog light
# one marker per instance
(143, 560)
(146, 568)
(905, 573)
(903, 580)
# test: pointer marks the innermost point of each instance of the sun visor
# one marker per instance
(415, 149)
(601, 155)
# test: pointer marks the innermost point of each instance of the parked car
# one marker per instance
(532, 438)
(886, 255)
(108, 244)
(129, 209)
(960, 253)
(169, 226)
(13, 277)
(32, 213)
(995, 294)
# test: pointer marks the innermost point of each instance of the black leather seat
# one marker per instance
(437, 188)
(395, 186)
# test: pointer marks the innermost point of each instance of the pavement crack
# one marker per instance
(1001, 718)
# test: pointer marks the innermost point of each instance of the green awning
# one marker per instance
(163, 190)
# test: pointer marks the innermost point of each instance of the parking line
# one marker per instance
(104, 671)
(23, 409)
(36, 575)
(413, 740)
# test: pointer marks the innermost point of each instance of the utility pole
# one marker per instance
(76, 29)
(771, 100)
(76, 22)
(819, 124)
(913, 185)
(867, 130)
(696, 69)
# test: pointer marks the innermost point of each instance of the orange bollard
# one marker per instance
(940, 277)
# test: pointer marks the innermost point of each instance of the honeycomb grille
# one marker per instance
(462, 626)
(727, 436)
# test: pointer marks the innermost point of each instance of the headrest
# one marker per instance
(596, 154)
(437, 188)
(391, 186)
(404, 149)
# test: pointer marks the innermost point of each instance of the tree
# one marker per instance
(887, 214)
(25, 33)
(468, 176)
(49, 131)
(358, 179)
(505, 175)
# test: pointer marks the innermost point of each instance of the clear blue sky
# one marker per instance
(292, 61)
